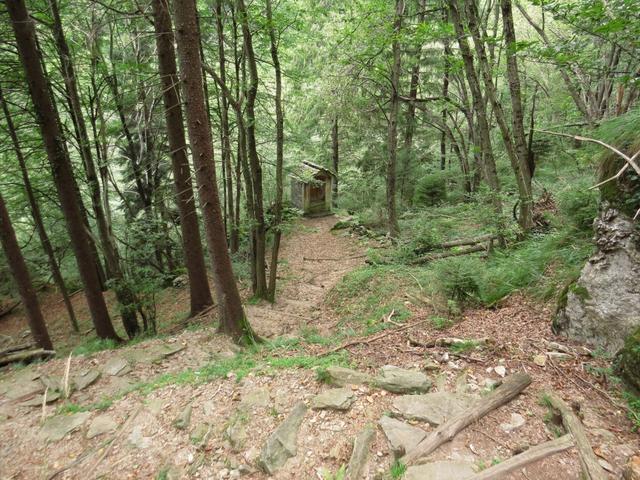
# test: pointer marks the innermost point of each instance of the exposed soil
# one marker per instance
(147, 443)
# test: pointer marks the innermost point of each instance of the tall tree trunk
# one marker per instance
(392, 140)
(335, 158)
(488, 160)
(445, 96)
(252, 152)
(277, 233)
(22, 278)
(185, 199)
(37, 217)
(232, 317)
(124, 294)
(233, 231)
(60, 164)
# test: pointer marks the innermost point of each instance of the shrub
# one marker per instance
(459, 278)
(431, 190)
(580, 206)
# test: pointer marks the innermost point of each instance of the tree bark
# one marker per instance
(37, 216)
(22, 278)
(335, 158)
(185, 198)
(232, 317)
(61, 166)
(392, 135)
(277, 233)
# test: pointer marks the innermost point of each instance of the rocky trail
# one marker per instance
(193, 406)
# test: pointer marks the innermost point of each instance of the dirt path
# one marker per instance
(314, 259)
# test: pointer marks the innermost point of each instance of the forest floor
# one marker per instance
(137, 407)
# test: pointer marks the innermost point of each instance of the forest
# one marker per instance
(325, 240)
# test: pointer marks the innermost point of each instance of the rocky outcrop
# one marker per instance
(602, 306)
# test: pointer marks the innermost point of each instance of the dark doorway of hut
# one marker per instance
(312, 189)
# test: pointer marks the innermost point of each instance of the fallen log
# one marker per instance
(26, 356)
(438, 256)
(523, 459)
(510, 388)
(447, 342)
(591, 468)
(9, 309)
(16, 348)
(468, 241)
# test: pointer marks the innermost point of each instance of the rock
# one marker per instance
(398, 380)
(500, 370)
(334, 399)
(627, 361)
(22, 387)
(183, 420)
(137, 439)
(282, 443)
(52, 383)
(360, 454)
(516, 422)
(100, 425)
(402, 437)
(86, 378)
(443, 470)
(56, 428)
(631, 470)
(341, 376)
(37, 400)
(559, 356)
(155, 406)
(180, 281)
(540, 359)
(256, 398)
(116, 366)
(434, 408)
(602, 306)
(236, 432)
(200, 435)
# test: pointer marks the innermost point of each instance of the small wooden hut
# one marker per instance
(311, 188)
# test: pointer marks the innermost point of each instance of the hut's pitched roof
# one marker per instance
(306, 171)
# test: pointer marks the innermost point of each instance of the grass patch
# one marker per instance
(441, 323)
(95, 345)
(633, 401)
(464, 346)
(398, 470)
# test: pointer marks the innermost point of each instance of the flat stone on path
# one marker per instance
(434, 408)
(402, 437)
(360, 454)
(341, 376)
(443, 470)
(100, 425)
(258, 397)
(137, 439)
(37, 400)
(399, 380)
(56, 428)
(183, 420)
(282, 443)
(116, 366)
(86, 378)
(334, 399)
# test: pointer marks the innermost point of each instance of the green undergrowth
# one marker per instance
(258, 360)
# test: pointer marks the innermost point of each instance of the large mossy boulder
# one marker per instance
(603, 306)
(627, 362)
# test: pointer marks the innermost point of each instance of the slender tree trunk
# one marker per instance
(254, 160)
(392, 140)
(22, 278)
(185, 199)
(37, 217)
(60, 165)
(445, 95)
(335, 158)
(277, 233)
(232, 317)
(488, 160)
(124, 294)
(232, 232)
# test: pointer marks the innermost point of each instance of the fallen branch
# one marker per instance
(366, 341)
(468, 241)
(26, 356)
(10, 309)
(510, 388)
(438, 256)
(531, 455)
(591, 469)
(16, 348)
(447, 342)
(329, 259)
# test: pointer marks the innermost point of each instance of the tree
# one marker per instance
(230, 311)
(22, 278)
(60, 165)
(185, 199)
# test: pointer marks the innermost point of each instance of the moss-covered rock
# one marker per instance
(627, 362)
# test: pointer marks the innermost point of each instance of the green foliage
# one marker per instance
(431, 190)
(459, 278)
(633, 402)
(579, 205)
(465, 346)
(398, 469)
(341, 474)
(95, 345)
(440, 323)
